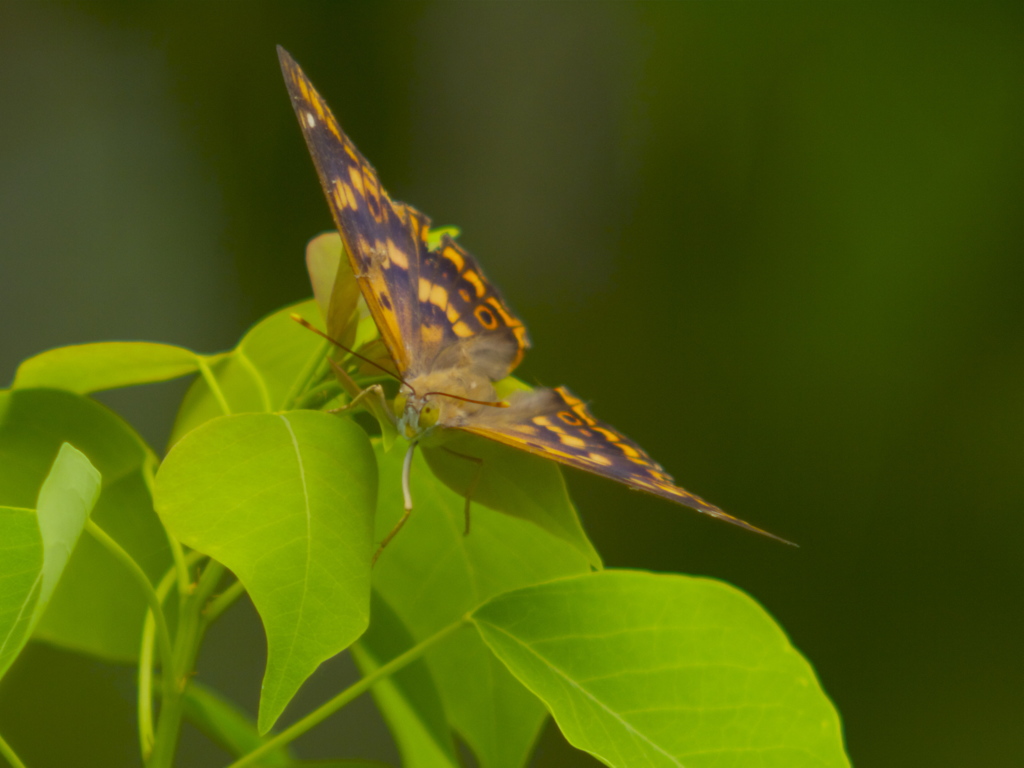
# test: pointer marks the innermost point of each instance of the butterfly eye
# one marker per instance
(428, 415)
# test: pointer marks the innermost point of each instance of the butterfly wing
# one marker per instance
(556, 424)
(423, 301)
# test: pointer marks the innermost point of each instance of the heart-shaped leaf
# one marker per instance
(286, 501)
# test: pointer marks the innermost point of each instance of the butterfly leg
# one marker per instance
(372, 399)
(365, 398)
(471, 489)
(407, 498)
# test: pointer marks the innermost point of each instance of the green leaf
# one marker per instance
(228, 725)
(409, 699)
(260, 374)
(21, 565)
(97, 607)
(88, 368)
(285, 501)
(432, 575)
(334, 287)
(510, 481)
(338, 764)
(36, 547)
(642, 669)
(66, 498)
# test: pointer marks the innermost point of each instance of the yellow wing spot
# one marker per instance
(542, 421)
(556, 430)
(338, 193)
(455, 258)
(431, 334)
(355, 175)
(373, 196)
(637, 460)
(598, 458)
(526, 429)
(630, 451)
(350, 195)
(397, 255)
(425, 286)
(462, 330)
(453, 313)
(439, 296)
(572, 441)
(612, 437)
(333, 124)
(474, 279)
(464, 294)
(354, 157)
(556, 452)
(301, 82)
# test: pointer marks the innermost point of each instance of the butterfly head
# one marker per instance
(416, 414)
(441, 399)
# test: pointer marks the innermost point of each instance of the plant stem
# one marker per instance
(306, 375)
(220, 603)
(261, 385)
(145, 695)
(189, 636)
(321, 713)
(163, 634)
(8, 753)
(211, 382)
(177, 551)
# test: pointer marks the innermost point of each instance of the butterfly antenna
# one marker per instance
(306, 324)
(493, 404)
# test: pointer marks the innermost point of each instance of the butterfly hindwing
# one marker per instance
(457, 300)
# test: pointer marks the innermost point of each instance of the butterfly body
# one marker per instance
(449, 334)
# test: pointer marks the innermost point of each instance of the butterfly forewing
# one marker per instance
(561, 428)
(423, 301)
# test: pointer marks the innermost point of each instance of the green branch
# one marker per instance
(320, 714)
(7, 752)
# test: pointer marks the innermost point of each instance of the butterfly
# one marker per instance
(449, 334)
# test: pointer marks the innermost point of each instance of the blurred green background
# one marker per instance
(780, 245)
